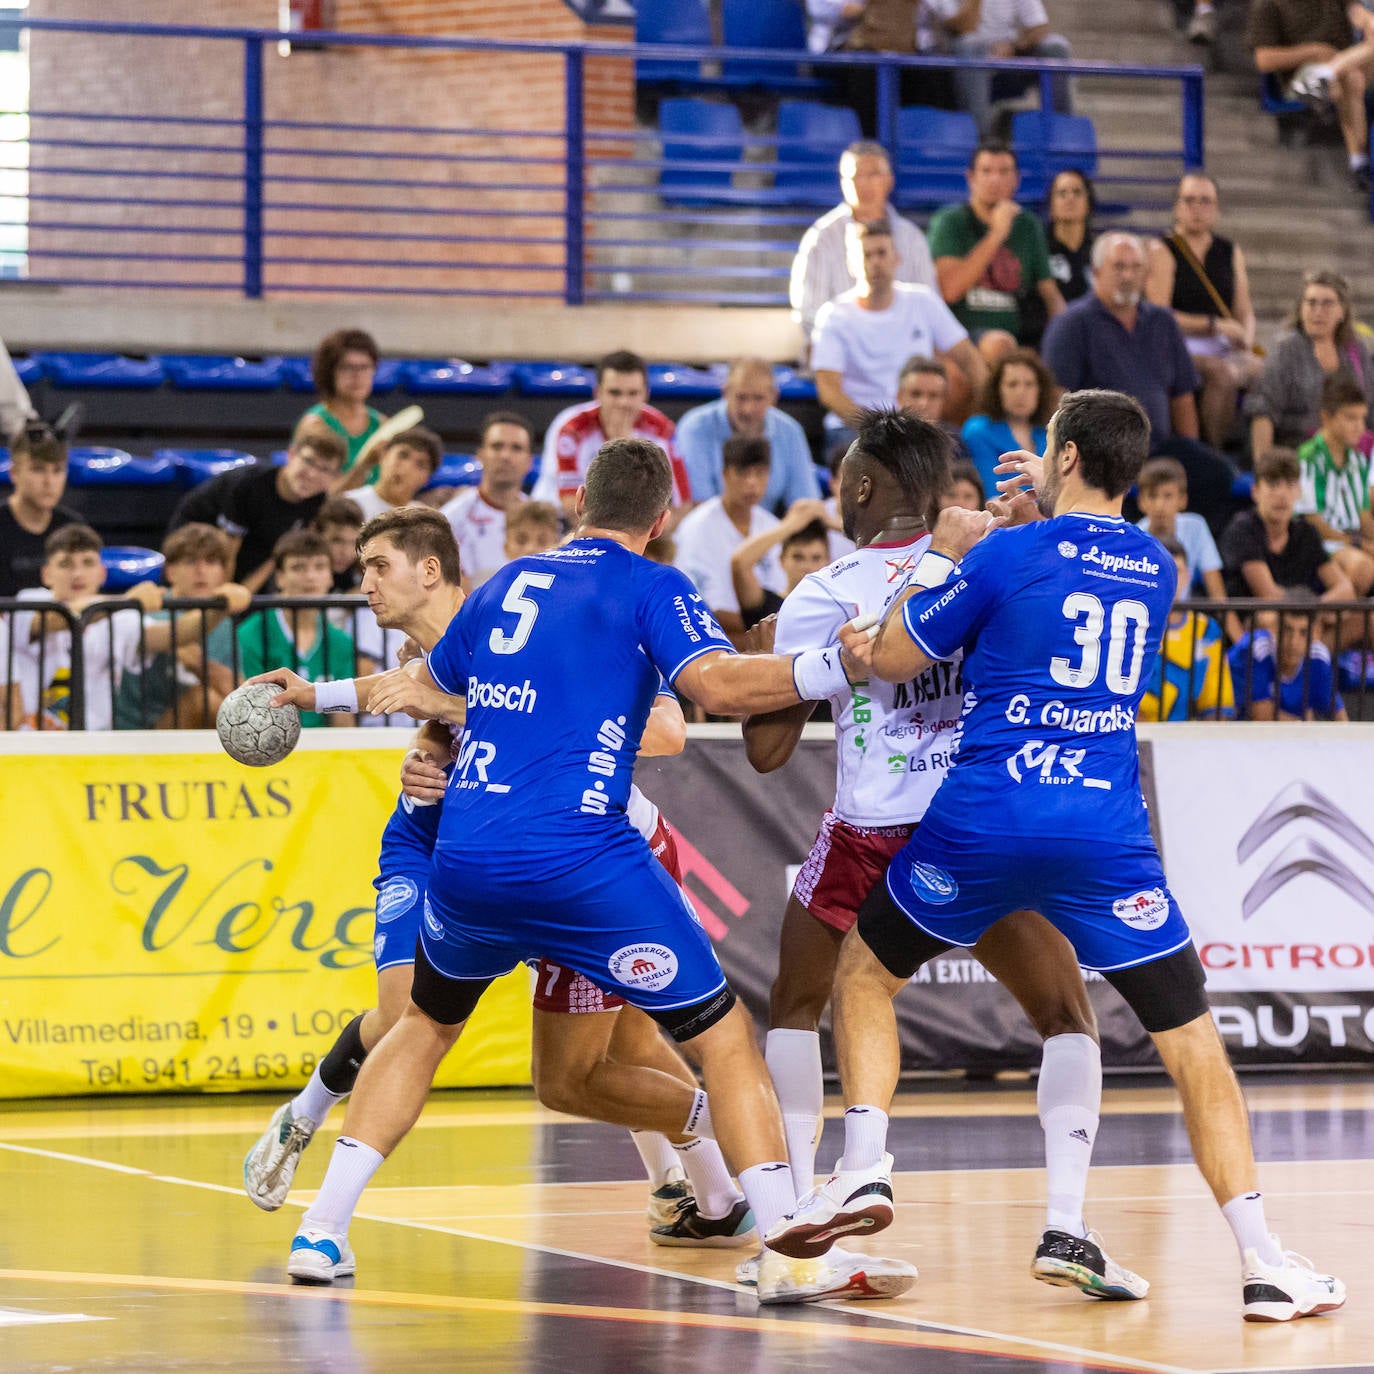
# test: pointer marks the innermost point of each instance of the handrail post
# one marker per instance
(574, 229)
(252, 168)
(886, 101)
(1194, 155)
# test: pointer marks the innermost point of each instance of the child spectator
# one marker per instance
(1191, 679)
(34, 510)
(1288, 676)
(965, 487)
(302, 640)
(183, 690)
(1163, 497)
(1335, 481)
(805, 542)
(404, 466)
(1017, 402)
(532, 527)
(339, 521)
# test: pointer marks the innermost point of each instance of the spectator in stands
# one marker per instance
(1335, 475)
(923, 389)
(183, 689)
(1202, 24)
(532, 527)
(1190, 680)
(404, 466)
(1323, 51)
(990, 254)
(708, 537)
(748, 409)
(1201, 277)
(1288, 675)
(339, 521)
(1018, 400)
(1163, 500)
(965, 487)
(256, 505)
(1001, 29)
(302, 640)
(1284, 404)
(478, 514)
(344, 368)
(822, 269)
(1269, 549)
(619, 409)
(1069, 234)
(16, 410)
(1115, 339)
(803, 536)
(864, 336)
(873, 26)
(34, 509)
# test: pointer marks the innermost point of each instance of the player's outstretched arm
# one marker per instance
(410, 689)
(296, 691)
(771, 737)
(745, 684)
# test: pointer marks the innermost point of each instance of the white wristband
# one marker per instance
(336, 696)
(932, 570)
(819, 674)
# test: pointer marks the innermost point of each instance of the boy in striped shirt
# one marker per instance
(1335, 481)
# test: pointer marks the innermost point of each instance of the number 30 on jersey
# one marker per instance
(1130, 620)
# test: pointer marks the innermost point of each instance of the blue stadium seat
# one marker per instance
(793, 385)
(555, 379)
(296, 375)
(671, 21)
(823, 478)
(1272, 99)
(1048, 143)
(109, 371)
(4, 467)
(197, 465)
(127, 564)
(108, 467)
(811, 138)
(217, 372)
(452, 377)
(766, 24)
(30, 370)
(933, 149)
(695, 132)
(456, 470)
(679, 382)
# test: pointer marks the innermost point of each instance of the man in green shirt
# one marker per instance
(990, 255)
(1335, 481)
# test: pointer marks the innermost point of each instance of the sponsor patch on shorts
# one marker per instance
(1146, 910)
(643, 966)
(932, 884)
(432, 922)
(396, 898)
(378, 945)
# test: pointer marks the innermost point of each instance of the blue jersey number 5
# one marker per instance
(517, 603)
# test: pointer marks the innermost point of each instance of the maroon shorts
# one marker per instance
(567, 992)
(844, 865)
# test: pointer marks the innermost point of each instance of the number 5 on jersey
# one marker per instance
(517, 603)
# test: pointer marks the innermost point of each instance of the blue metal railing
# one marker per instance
(266, 211)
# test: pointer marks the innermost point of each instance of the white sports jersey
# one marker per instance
(893, 740)
(480, 529)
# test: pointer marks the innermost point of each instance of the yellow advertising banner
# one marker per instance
(171, 921)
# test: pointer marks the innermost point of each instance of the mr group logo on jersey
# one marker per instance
(1146, 910)
(643, 966)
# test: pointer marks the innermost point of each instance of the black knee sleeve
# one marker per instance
(898, 943)
(683, 1023)
(1165, 993)
(339, 1068)
(449, 1001)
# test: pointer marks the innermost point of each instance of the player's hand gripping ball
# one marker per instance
(252, 730)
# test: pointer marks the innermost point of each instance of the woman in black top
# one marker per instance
(1068, 230)
(1218, 324)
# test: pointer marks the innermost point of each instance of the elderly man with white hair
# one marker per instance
(1117, 340)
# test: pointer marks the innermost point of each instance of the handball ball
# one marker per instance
(254, 732)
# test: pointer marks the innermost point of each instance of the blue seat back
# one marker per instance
(201, 372)
(1047, 144)
(456, 470)
(197, 465)
(933, 149)
(453, 377)
(671, 21)
(555, 379)
(296, 374)
(693, 133)
(109, 371)
(103, 467)
(811, 138)
(765, 24)
(127, 564)
(676, 381)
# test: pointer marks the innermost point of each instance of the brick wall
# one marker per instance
(469, 181)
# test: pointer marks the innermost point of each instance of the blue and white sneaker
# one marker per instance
(270, 1165)
(319, 1256)
(851, 1202)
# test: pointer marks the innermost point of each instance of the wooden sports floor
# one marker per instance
(502, 1237)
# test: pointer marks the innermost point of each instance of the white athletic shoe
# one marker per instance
(1280, 1292)
(838, 1274)
(319, 1256)
(1068, 1262)
(747, 1271)
(270, 1165)
(850, 1202)
(666, 1202)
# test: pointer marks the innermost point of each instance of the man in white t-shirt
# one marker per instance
(894, 744)
(478, 514)
(865, 335)
(711, 533)
(403, 468)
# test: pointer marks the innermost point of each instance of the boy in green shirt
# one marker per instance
(1335, 481)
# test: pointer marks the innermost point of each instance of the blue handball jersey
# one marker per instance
(1059, 622)
(559, 656)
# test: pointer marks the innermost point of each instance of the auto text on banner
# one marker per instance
(172, 921)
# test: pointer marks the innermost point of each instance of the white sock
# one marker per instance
(1202, 7)
(351, 1167)
(315, 1101)
(699, 1118)
(1069, 1096)
(715, 1190)
(769, 1190)
(1358, 160)
(794, 1062)
(1245, 1216)
(865, 1137)
(658, 1156)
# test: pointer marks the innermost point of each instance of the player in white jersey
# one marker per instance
(894, 744)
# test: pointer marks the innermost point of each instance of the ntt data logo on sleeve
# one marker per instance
(643, 966)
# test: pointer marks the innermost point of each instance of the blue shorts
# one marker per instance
(616, 917)
(1109, 900)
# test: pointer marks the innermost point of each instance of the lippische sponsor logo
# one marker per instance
(500, 696)
(643, 966)
(1146, 910)
(1116, 562)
